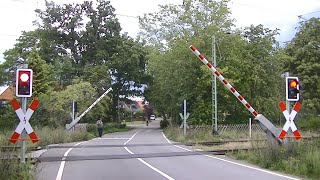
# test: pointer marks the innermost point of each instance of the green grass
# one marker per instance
(301, 159)
(202, 135)
(107, 128)
(176, 134)
(134, 122)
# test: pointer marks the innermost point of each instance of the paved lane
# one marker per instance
(143, 153)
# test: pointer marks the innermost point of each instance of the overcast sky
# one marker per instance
(17, 15)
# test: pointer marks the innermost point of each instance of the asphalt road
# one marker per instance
(143, 153)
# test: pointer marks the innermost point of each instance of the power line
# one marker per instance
(129, 16)
(310, 13)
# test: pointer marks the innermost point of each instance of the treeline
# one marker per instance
(250, 58)
(77, 52)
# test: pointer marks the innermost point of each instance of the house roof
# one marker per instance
(3, 89)
(139, 104)
(6, 92)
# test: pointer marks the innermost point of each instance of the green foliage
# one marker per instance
(303, 158)
(164, 124)
(247, 58)
(65, 50)
(55, 107)
(42, 78)
(304, 51)
(92, 128)
(309, 123)
(8, 118)
(12, 170)
(176, 134)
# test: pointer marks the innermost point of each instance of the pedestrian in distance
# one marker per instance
(100, 127)
(147, 121)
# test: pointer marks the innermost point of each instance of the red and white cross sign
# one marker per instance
(290, 117)
(24, 121)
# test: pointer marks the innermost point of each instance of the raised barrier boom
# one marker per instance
(222, 79)
(264, 123)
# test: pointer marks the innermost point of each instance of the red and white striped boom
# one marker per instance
(222, 79)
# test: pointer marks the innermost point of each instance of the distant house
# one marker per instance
(133, 105)
(6, 94)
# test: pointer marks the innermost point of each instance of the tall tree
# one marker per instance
(305, 52)
(42, 74)
(186, 20)
(127, 69)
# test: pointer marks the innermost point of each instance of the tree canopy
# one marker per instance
(77, 51)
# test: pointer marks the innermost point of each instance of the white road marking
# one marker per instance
(174, 145)
(235, 163)
(128, 150)
(145, 163)
(166, 138)
(130, 138)
(60, 171)
(155, 169)
(111, 138)
(254, 168)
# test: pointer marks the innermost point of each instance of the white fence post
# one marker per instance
(250, 131)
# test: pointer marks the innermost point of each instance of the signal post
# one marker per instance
(23, 89)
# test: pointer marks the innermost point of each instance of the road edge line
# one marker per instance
(254, 168)
(175, 145)
(61, 167)
(235, 163)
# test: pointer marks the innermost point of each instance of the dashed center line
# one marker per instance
(145, 163)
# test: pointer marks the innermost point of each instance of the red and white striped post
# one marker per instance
(222, 79)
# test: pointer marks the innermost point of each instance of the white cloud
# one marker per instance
(17, 15)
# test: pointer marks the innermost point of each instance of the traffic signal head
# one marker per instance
(292, 89)
(24, 83)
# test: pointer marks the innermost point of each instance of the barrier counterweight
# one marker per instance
(225, 82)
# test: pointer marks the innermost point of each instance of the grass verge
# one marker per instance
(300, 158)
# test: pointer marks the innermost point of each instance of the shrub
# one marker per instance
(91, 128)
(164, 124)
(122, 126)
(15, 170)
(309, 123)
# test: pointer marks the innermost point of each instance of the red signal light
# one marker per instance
(24, 83)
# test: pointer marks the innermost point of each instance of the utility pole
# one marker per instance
(214, 86)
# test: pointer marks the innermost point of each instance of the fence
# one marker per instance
(80, 127)
(228, 127)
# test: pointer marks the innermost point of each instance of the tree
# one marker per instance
(55, 106)
(42, 74)
(177, 74)
(305, 52)
(190, 19)
(127, 70)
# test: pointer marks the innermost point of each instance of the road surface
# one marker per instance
(142, 153)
